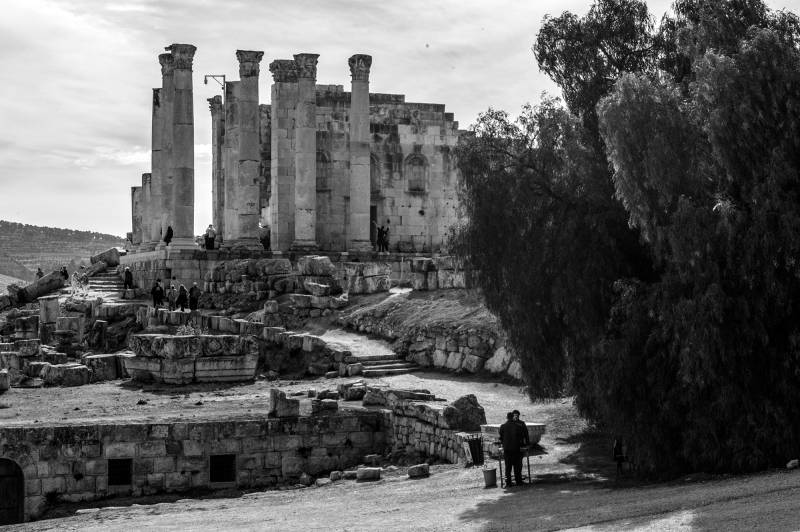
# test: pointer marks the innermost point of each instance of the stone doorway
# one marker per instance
(12, 495)
(373, 227)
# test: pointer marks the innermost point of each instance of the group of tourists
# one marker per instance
(176, 296)
(382, 238)
(515, 441)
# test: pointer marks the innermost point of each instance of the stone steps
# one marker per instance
(386, 372)
(365, 359)
(394, 362)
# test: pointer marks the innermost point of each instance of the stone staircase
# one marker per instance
(107, 281)
(385, 365)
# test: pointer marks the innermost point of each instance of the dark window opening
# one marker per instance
(120, 472)
(223, 468)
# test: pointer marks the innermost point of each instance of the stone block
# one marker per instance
(319, 265)
(271, 306)
(454, 360)
(101, 367)
(119, 450)
(499, 361)
(472, 363)
(280, 406)
(421, 265)
(355, 369)
(419, 281)
(316, 289)
(320, 302)
(352, 391)
(65, 375)
(109, 256)
(5, 380)
(368, 473)
(48, 309)
(419, 471)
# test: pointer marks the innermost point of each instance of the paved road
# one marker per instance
(454, 499)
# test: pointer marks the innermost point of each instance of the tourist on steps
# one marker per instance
(168, 236)
(514, 437)
(172, 296)
(210, 236)
(64, 273)
(158, 294)
(39, 273)
(183, 298)
(194, 297)
(128, 278)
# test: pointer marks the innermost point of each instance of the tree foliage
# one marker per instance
(666, 282)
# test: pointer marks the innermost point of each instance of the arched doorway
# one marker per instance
(12, 493)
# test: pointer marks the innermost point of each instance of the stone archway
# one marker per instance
(12, 493)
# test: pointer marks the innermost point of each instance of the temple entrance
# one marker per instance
(373, 227)
(12, 495)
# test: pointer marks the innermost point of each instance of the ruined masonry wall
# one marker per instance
(70, 463)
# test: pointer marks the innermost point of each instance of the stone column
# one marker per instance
(230, 163)
(162, 184)
(305, 154)
(217, 171)
(151, 198)
(358, 230)
(146, 208)
(137, 208)
(281, 201)
(182, 162)
(249, 162)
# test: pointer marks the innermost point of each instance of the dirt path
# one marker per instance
(454, 499)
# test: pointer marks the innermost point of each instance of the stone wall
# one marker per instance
(71, 463)
(457, 348)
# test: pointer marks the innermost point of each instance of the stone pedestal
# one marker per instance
(358, 230)
(182, 157)
(282, 186)
(305, 158)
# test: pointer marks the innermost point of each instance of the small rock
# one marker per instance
(793, 464)
(5, 380)
(331, 374)
(355, 369)
(312, 393)
(328, 394)
(419, 471)
(323, 482)
(368, 473)
(199, 403)
(141, 402)
(306, 479)
(391, 468)
(350, 475)
(372, 459)
(336, 475)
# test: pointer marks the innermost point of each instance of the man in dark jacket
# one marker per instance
(194, 297)
(514, 437)
(158, 294)
(128, 278)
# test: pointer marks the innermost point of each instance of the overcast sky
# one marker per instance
(75, 95)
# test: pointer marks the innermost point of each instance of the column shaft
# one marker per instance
(136, 216)
(230, 161)
(305, 158)
(182, 163)
(249, 151)
(217, 173)
(163, 184)
(281, 201)
(151, 198)
(359, 230)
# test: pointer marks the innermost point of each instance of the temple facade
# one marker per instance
(318, 168)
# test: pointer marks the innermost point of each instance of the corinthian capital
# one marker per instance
(283, 70)
(182, 55)
(146, 178)
(306, 65)
(248, 62)
(359, 66)
(167, 64)
(215, 104)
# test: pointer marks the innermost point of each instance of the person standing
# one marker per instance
(64, 273)
(183, 298)
(514, 439)
(210, 236)
(194, 297)
(385, 239)
(172, 296)
(168, 236)
(128, 278)
(39, 273)
(158, 294)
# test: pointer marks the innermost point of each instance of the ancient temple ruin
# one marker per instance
(319, 166)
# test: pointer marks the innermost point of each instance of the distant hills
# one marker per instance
(23, 248)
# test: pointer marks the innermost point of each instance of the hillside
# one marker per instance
(34, 246)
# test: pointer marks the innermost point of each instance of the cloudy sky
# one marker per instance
(75, 95)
